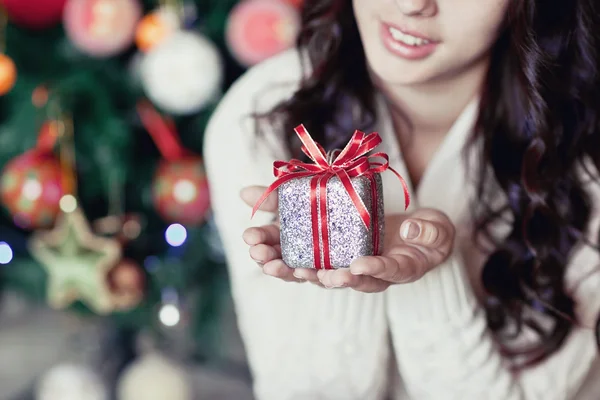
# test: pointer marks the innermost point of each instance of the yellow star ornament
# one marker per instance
(77, 263)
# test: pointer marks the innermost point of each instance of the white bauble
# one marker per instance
(183, 74)
(154, 377)
(71, 382)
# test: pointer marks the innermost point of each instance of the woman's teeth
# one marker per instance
(407, 39)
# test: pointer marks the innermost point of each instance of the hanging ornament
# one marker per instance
(71, 382)
(8, 74)
(126, 279)
(259, 29)
(77, 263)
(30, 186)
(180, 188)
(34, 14)
(154, 377)
(183, 74)
(127, 283)
(8, 69)
(102, 28)
(156, 27)
(76, 260)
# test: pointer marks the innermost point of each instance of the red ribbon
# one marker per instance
(351, 162)
(162, 131)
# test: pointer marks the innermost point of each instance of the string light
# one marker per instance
(6, 253)
(68, 203)
(176, 235)
(169, 315)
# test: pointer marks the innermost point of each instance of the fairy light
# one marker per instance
(6, 253)
(169, 315)
(176, 235)
(68, 203)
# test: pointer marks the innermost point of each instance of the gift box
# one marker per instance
(347, 235)
(331, 211)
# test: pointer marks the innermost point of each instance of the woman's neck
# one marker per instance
(433, 107)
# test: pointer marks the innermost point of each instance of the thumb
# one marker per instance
(426, 233)
(251, 194)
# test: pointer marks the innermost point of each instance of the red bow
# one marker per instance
(351, 162)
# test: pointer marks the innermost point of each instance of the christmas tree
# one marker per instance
(103, 106)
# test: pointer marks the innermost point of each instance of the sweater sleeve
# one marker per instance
(445, 350)
(302, 341)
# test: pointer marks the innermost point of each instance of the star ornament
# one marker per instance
(77, 263)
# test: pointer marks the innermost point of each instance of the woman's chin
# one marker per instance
(391, 74)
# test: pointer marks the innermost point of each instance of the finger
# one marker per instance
(252, 194)
(262, 253)
(267, 234)
(307, 274)
(427, 233)
(402, 264)
(278, 269)
(343, 278)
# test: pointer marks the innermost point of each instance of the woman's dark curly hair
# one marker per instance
(538, 121)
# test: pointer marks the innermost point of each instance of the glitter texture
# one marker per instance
(348, 236)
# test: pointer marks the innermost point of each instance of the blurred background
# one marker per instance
(113, 284)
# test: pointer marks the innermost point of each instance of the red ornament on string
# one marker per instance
(127, 284)
(31, 186)
(180, 189)
(34, 14)
(259, 29)
(101, 28)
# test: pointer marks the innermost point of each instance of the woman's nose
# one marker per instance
(417, 8)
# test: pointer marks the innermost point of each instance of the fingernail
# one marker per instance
(356, 271)
(410, 230)
(297, 275)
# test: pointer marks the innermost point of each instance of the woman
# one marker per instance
(488, 286)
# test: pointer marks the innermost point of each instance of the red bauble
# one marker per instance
(102, 28)
(127, 283)
(180, 191)
(34, 14)
(31, 190)
(259, 29)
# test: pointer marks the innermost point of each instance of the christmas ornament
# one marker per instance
(259, 29)
(155, 27)
(8, 74)
(154, 377)
(31, 190)
(331, 212)
(77, 263)
(30, 186)
(71, 382)
(180, 191)
(180, 188)
(34, 14)
(102, 28)
(126, 282)
(183, 74)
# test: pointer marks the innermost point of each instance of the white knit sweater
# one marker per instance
(423, 340)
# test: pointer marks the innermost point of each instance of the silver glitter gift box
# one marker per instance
(349, 238)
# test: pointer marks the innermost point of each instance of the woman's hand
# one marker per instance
(414, 244)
